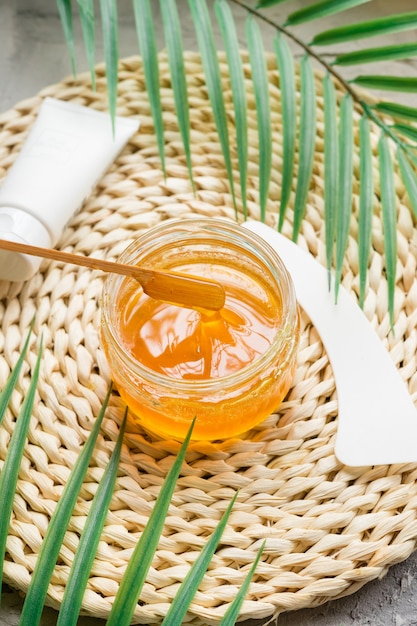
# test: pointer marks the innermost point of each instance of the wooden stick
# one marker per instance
(173, 287)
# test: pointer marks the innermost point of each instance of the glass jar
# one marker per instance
(228, 369)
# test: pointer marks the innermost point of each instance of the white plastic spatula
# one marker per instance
(377, 419)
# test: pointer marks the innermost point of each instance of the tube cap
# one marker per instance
(17, 225)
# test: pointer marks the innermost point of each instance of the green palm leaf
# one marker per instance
(371, 28)
(321, 9)
(387, 83)
(65, 14)
(173, 40)
(409, 177)
(366, 193)
(10, 471)
(90, 538)
(191, 582)
(373, 55)
(232, 613)
(213, 81)
(407, 131)
(344, 208)
(237, 80)
(147, 42)
(389, 218)
(51, 545)
(263, 110)
(111, 51)
(396, 110)
(6, 392)
(86, 10)
(331, 164)
(263, 4)
(285, 63)
(411, 156)
(134, 577)
(306, 144)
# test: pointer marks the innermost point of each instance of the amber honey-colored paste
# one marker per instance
(198, 345)
(194, 345)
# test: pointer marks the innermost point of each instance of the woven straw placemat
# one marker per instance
(329, 528)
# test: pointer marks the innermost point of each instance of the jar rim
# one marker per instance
(215, 226)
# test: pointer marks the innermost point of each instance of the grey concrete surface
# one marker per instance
(33, 55)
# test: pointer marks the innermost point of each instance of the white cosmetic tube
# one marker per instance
(67, 151)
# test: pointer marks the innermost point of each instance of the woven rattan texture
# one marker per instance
(329, 529)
